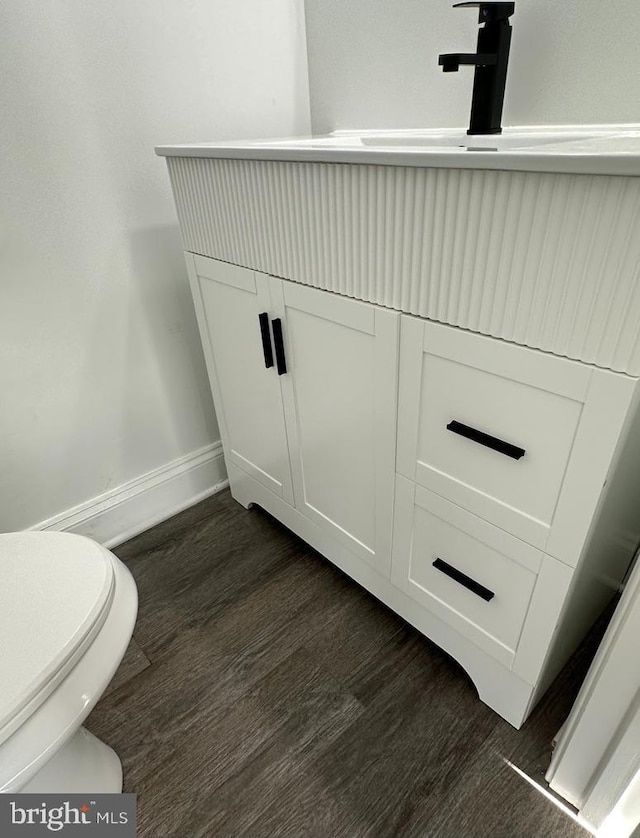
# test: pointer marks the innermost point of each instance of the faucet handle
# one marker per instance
(488, 11)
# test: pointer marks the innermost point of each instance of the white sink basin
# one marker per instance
(600, 149)
(495, 142)
(430, 141)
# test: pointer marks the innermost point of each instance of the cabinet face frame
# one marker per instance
(264, 417)
(374, 333)
(607, 400)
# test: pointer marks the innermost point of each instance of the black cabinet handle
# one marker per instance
(489, 441)
(281, 363)
(463, 579)
(266, 339)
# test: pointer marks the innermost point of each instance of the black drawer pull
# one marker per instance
(463, 579)
(266, 339)
(486, 439)
(281, 363)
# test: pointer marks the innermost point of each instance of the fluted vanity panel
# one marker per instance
(545, 260)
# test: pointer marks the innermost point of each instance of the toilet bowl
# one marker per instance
(67, 611)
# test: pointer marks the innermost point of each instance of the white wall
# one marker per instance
(101, 373)
(374, 63)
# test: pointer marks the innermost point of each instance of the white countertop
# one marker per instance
(581, 149)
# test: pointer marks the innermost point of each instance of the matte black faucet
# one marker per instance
(490, 61)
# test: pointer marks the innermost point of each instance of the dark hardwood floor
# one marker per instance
(266, 694)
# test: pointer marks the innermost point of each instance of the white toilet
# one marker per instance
(67, 611)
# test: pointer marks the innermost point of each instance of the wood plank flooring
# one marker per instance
(266, 694)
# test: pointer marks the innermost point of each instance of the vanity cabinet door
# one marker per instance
(233, 308)
(340, 394)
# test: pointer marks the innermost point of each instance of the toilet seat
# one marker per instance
(55, 594)
(42, 755)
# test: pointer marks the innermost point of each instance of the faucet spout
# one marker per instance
(490, 62)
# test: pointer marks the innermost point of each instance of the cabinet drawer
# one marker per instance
(470, 574)
(489, 425)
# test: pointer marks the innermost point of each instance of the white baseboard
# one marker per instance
(133, 507)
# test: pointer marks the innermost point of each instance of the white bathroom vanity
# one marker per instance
(424, 352)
